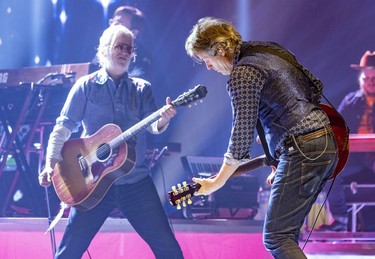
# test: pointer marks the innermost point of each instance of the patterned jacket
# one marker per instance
(286, 98)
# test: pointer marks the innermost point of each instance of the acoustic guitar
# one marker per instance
(182, 194)
(90, 164)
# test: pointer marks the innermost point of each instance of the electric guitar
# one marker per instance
(90, 164)
(341, 132)
(184, 192)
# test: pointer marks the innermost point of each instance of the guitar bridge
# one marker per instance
(82, 165)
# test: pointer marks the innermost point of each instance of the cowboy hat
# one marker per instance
(367, 61)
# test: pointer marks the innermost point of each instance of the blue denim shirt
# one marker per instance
(94, 101)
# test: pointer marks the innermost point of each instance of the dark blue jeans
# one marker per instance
(140, 204)
(296, 186)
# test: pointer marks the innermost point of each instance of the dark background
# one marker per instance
(326, 36)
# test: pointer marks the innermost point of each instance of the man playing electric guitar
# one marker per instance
(109, 96)
(286, 99)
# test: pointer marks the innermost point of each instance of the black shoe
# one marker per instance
(335, 226)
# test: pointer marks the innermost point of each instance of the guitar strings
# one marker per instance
(153, 117)
(116, 142)
(97, 153)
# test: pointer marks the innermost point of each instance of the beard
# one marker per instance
(120, 67)
(369, 90)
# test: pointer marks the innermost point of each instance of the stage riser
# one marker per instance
(24, 238)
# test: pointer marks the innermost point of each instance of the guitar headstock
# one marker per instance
(189, 97)
(181, 195)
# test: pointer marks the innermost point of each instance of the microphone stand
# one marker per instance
(53, 78)
(41, 156)
(155, 157)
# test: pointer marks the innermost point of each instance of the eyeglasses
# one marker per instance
(368, 79)
(122, 47)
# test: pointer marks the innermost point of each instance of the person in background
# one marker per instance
(264, 85)
(358, 109)
(133, 19)
(106, 96)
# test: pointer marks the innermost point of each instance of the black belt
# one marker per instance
(289, 141)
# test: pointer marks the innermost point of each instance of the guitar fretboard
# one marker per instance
(134, 130)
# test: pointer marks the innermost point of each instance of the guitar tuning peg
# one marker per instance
(184, 183)
(174, 190)
(184, 204)
(189, 201)
(178, 204)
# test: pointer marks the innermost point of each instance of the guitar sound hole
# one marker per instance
(103, 152)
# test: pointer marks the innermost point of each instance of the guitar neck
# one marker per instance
(187, 98)
(135, 129)
(253, 164)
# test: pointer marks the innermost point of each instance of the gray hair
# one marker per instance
(107, 40)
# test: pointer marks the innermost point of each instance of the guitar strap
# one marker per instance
(282, 53)
(270, 159)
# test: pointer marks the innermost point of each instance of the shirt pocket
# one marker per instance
(99, 96)
(99, 108)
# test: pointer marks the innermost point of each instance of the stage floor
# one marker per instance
(199, 238)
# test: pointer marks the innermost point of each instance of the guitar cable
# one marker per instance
(88, 253)
(317, 216)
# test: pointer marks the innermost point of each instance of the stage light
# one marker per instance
(36, 59)
(63, 17)
(105, 4)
